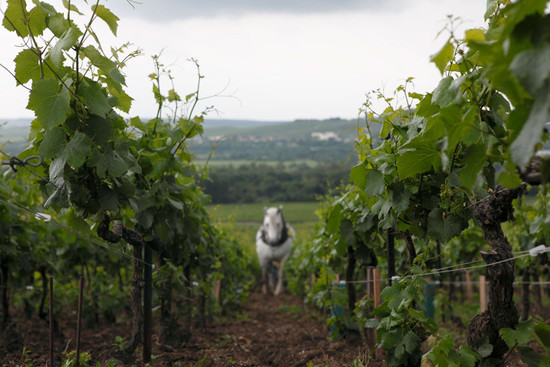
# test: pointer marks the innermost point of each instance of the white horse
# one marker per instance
(273, 244)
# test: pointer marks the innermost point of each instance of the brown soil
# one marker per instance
(267, 331)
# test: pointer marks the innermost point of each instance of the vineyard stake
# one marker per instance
(147, 303)
(51, 321)
(390, 244)
(79, 320)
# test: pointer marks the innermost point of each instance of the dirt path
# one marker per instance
(266, 331)
(269, 331)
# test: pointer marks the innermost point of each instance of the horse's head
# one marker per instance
(274, 229)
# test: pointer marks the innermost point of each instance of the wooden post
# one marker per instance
(390, 247)
(376, 287)
(147, 303)
(377, 302)
(469, 291)
(482, 293)
(217, 289)
(51, 321)
(79, 320)
(370, 333)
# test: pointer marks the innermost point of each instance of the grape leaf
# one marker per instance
(474, 160)
(14, 17)
(532, 67)
(53, 143)
(444, 226)
(524, 145)
(57, 24)
(27, 66)
(77, 150)
(107, 16)
(375, 184)
(95, 97)
(50, 102)
(358, 175)
(108, 161)
(99, 129)
(418, 160)
(68, 40)
(442, 58)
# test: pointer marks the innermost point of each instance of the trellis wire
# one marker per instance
(40, 216)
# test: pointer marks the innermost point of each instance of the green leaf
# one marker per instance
(542, 331)
(475, 34)
(444, 226)
(50, 102)
(59, 198)
(57, 168)
(53, 143)
(108, 161)
(358, 175)
(375, 183)
(457, 126)
(108, 199)
(474, 160)
(71, 7)
(411, 342)
(68, 40)
(443, 57)
(107, 16)
(524, 332)
(14, 17)
(173, 96)
(27, 66)
(58, 24)
(95, 97)
(107, 66)
(524, 145)
(76, 222)
(77, 150)
(123, 99)
(530, 356)
(485, 349)
(99, 129)
(145, 218)
(532, 67)
(419, 160)
(509, 336)
(447, 91)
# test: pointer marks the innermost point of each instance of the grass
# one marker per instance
(246, 213)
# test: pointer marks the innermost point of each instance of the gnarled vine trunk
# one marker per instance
(501, 312)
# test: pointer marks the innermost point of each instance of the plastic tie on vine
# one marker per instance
(395, 278)
(44, 217)
(540, 249)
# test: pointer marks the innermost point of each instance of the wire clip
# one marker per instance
(14, 161)
(540, 249)
(44, 217)
(395, 278)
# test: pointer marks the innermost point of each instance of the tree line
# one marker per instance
(267, 183)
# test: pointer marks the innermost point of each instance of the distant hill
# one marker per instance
(247, 140)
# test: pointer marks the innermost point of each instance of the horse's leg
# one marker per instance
(265, 266)
(280, 288)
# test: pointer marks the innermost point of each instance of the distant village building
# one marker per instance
(325, 136)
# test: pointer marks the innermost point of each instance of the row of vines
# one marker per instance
(102, 197)
(441, 184)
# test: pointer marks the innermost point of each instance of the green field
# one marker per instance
(243, 220)
(246, 213)
(236, 163)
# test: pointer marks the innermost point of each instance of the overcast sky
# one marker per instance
(279, 59)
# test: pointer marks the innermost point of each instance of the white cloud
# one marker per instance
(279, 65)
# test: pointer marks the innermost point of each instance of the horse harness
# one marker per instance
(284, 236)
